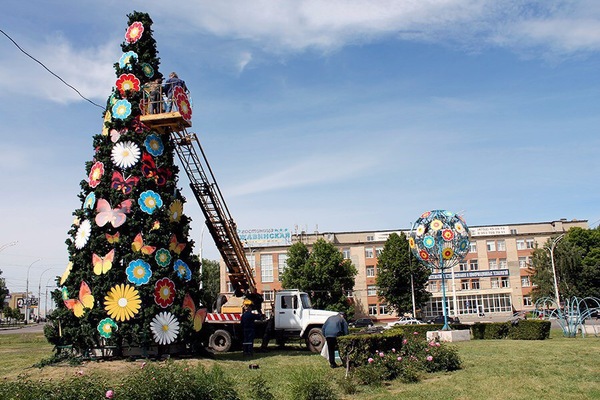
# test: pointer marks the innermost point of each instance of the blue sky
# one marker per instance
(341, 115)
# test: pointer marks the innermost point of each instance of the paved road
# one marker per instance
(31, 328)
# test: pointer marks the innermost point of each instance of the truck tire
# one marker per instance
(315, 340)
(220, 341)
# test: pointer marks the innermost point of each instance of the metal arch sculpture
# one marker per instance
(440, 240)
(572, 316)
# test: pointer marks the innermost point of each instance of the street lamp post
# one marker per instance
(551, 250)
(46, 296)
(27, 292)
(8, 245)
(40, 291)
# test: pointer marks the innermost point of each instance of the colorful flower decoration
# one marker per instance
(122, 302)
(134, 32)
(411, 242)
(127, 82)
(83, 234)
(182, 269)
(164, 292)
(428, 242)
(448, 234)
(165, 328)
(96, 173)
(149, 201)
(64, 292)
(154, 145)
(163, 257)
(125, 60)
(424, 255)
(138, 272)
(183, 103)
(107, 118)
(436, 225)
(175, 210)
(459, 228)
(121, 109)
(106, 327)
(90, 201)
(148, 70)
(463, 245)
(420, 230)
(125, 154)
(447, 253)
(426, 214)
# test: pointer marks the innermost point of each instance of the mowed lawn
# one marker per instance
(558, 368)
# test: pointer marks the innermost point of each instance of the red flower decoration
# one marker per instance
(134, 32)
(426, 214)
(447, 234)
(128, 82)
(424, 255)
(164, 292)
(183, 103)
(96, 173)
(447, 253)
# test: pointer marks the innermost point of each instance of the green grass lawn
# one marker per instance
(558, 368)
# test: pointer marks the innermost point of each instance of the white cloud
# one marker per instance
(245, 59)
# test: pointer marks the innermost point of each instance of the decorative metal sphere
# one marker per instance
(439, 239)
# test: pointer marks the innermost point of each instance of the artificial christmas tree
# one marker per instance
(132, 279)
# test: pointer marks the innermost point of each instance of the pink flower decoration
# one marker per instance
(393, 350)
(415, 333)
(134, 32)
(96, 173)
(110, 394)
(399, 358)
(404, 341)
(429, 358)
(143, 365)
(381, 354)
(370, 360)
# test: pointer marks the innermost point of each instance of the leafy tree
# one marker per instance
(131, 265)
(395, 265)
(3, 291)
(210, 283)
(322, 272)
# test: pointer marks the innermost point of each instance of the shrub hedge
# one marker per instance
(517, 330)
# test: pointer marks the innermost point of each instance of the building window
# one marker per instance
(368, 252)
(530, 243)
(474, 283)
(462, 266)
(501, 244)
(502, 264)
(252, 263)
(370, 238)
(371, 290)
(372, 309)
(494, 283)
(525, 281)
(370, 272)
(266, 268)
(493, 263)
(527, 301)
(505, 282)
(523, 262)
(378, 251)
(491, 245)
(464, 284)
(281, 264)
(513, 231)
(473, 247)
(383, 309)
(473, 266)
(521, 244)
(433, 286)
(346, 253)
(267, 295)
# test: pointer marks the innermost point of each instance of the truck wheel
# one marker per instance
(315, 340)
(220, 341)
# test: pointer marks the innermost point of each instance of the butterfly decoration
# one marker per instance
(149, 170)
(116, 216)
(103, 264)
(115, 135)
(139, 246)
(85, 300)
(196, 316)
(138, 126)
(112, 239)
(125, 185)
(175, 246)
(65, 274)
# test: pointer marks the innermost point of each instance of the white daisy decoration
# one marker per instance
(83, 234)
(125, 154)
(165, 328)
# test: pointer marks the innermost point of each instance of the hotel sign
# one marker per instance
(265, 237)
(471, 274)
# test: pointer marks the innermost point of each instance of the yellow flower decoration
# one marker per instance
(122, 302)
(420, 230)
(107, 118)
(436, 225)
(411, 242)
(175, 211)
(447, 253)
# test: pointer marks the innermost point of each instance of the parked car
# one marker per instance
(361, 323)
(404, 321)
(439, 319)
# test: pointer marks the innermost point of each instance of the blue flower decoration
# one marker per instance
(148, 70)
(149, 201)
(182, 269)
(125, 60)
(428, 242)
(138, 272)
(463, 244)
(90, 201)
(154, 145)
(163, 257)
(121, 109)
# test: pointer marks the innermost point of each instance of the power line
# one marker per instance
(47, 69)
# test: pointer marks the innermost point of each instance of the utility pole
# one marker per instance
(551, 250)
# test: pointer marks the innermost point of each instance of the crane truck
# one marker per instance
(293, 314)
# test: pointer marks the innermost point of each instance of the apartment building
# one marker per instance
(492, 281)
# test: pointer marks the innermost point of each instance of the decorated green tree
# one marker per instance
(132, 279)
